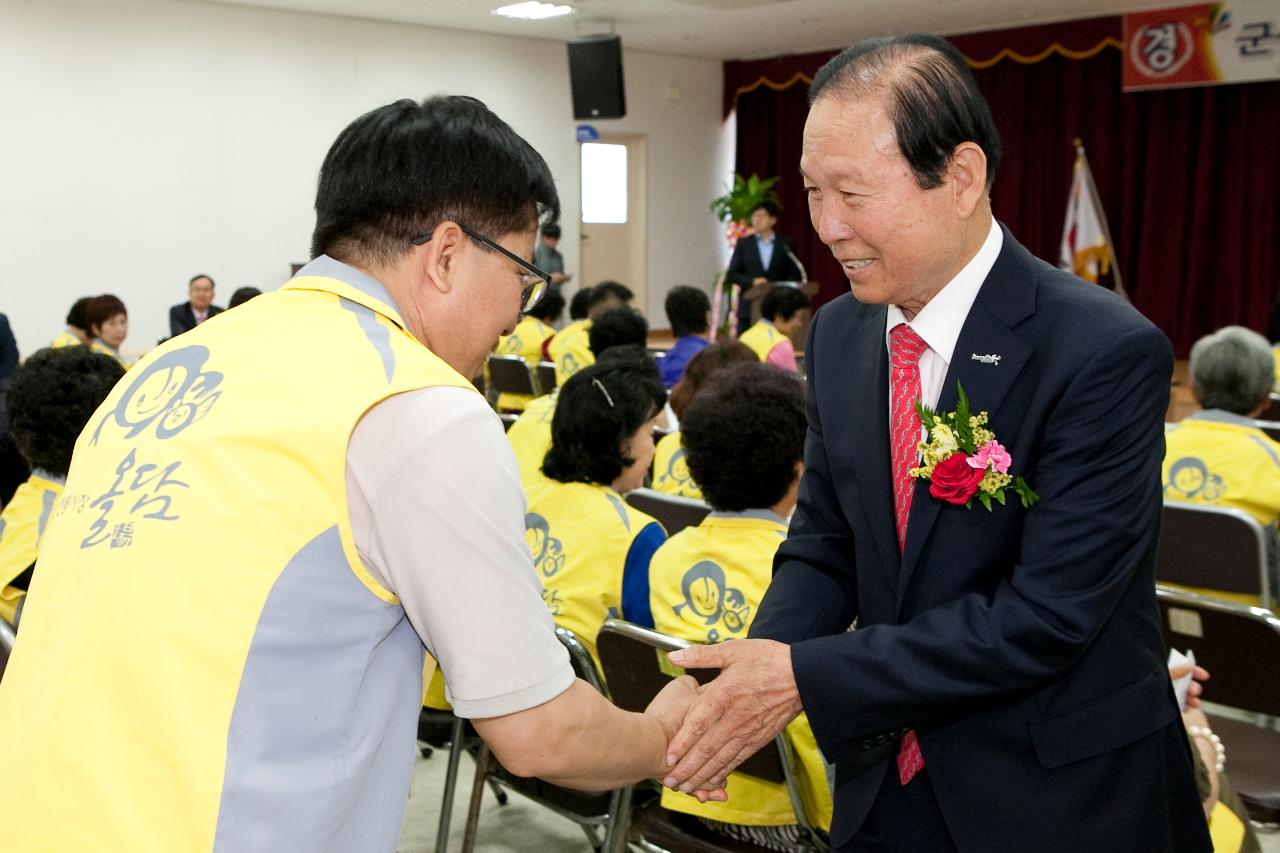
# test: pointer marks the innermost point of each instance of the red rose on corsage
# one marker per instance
(955, 480)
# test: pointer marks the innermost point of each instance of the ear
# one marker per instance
(969, 177)
(439, 258)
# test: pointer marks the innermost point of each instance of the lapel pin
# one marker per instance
(987, 359)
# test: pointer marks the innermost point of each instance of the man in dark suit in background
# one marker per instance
(198, 307)
(1004, 686)
(760, 257)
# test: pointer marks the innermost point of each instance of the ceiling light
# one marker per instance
(532, 11)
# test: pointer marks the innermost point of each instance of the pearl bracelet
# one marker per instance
(1218, 749)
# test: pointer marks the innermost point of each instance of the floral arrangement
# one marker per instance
(962, 459)
(744, 196)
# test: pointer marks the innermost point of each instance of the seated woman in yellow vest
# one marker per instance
(623, 333)
(670, 470)
(526, 341)
(108, 326)
(745, 441)
(1217, 456)
(77, 331)
(52, 397)
(782, 313)
(590, 548)
(570, 349)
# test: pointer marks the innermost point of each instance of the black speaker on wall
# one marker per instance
(595, 75)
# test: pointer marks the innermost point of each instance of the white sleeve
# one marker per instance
(437, 514)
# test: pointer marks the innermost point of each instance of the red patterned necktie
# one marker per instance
(905, 349)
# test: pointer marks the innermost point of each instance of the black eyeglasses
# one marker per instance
(534, 282)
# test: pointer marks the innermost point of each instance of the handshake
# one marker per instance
(712, 728)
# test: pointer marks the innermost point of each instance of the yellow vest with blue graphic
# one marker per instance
(66, 339)
(525, 341)
(530, 438)
(199, 614)
(762, 338)
(1219, 459)
(22, 525)
(580, 534)
(570, 349)
(705, 586)
(671, 471)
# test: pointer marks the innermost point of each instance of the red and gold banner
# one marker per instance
(1202, 45)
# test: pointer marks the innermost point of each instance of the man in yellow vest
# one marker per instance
(264, 523)
(569, 349)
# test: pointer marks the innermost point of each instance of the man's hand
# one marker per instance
(752, 699)
(672, 703)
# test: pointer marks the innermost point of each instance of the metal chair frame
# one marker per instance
(1260, 534)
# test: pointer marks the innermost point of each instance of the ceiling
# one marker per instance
(723, 29)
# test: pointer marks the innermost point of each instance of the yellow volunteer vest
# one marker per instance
(705, 585)
(22, 524)
(66, 339)
(1276, 350)
(570, 349)
(579, 534)
(762, 338)
(200, 614)
(525, 341)
(670, 471)
(530, 438)
(100, 347)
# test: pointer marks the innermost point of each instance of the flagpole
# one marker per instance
(1102, 215)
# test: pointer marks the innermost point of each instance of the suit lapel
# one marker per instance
(870, 420)
(1006, 298)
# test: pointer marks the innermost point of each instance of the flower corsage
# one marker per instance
(962, 459)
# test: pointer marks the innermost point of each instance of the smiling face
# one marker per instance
(896, 243)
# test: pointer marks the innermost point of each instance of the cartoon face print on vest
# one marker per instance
(1189, 477)
(709, 598)
(548, 553)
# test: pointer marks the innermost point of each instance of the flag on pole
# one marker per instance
(1086, 244)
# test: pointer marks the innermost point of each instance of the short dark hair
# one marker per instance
(78, 315)
(744, 436)
(600, 408)
(549, 306)
(607, 291)
(551, 231)
(934, 102)
(712, 359)
(199, 276)
(579, 304)
(770, 207)
(617, 327)
(242, 295)
(102, 308)
(632, 353)
(782, 302)
(687, 309)
(398, 171)
(52, 397)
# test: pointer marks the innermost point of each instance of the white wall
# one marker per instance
(143, 141)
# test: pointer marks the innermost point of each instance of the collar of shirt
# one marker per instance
(1222, 416)
(767, 241)
(939, 323)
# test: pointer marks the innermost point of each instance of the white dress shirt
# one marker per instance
(939, 323)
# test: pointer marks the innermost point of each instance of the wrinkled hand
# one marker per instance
(1195, 688)
(752, 699)
(669, 708)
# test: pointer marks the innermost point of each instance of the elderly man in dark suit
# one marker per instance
(1003, 686)
(198, 307)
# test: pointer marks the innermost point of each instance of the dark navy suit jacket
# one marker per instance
(1022, 645)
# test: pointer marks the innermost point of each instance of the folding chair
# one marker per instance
(1272, 411)
(1270, 426)
(7, 638)
(595, 812)
(1239, 646)
(509, 374)
(674, 513)
(546, 375)
(635, 664)
(1214, 550)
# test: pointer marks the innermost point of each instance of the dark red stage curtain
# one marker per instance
(1189, 178)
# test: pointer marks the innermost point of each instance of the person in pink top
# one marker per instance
(782, 313)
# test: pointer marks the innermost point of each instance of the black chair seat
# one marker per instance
(682, 833)
(1253, 763)
(435, 727)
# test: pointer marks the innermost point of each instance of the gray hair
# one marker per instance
(1233, 369)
